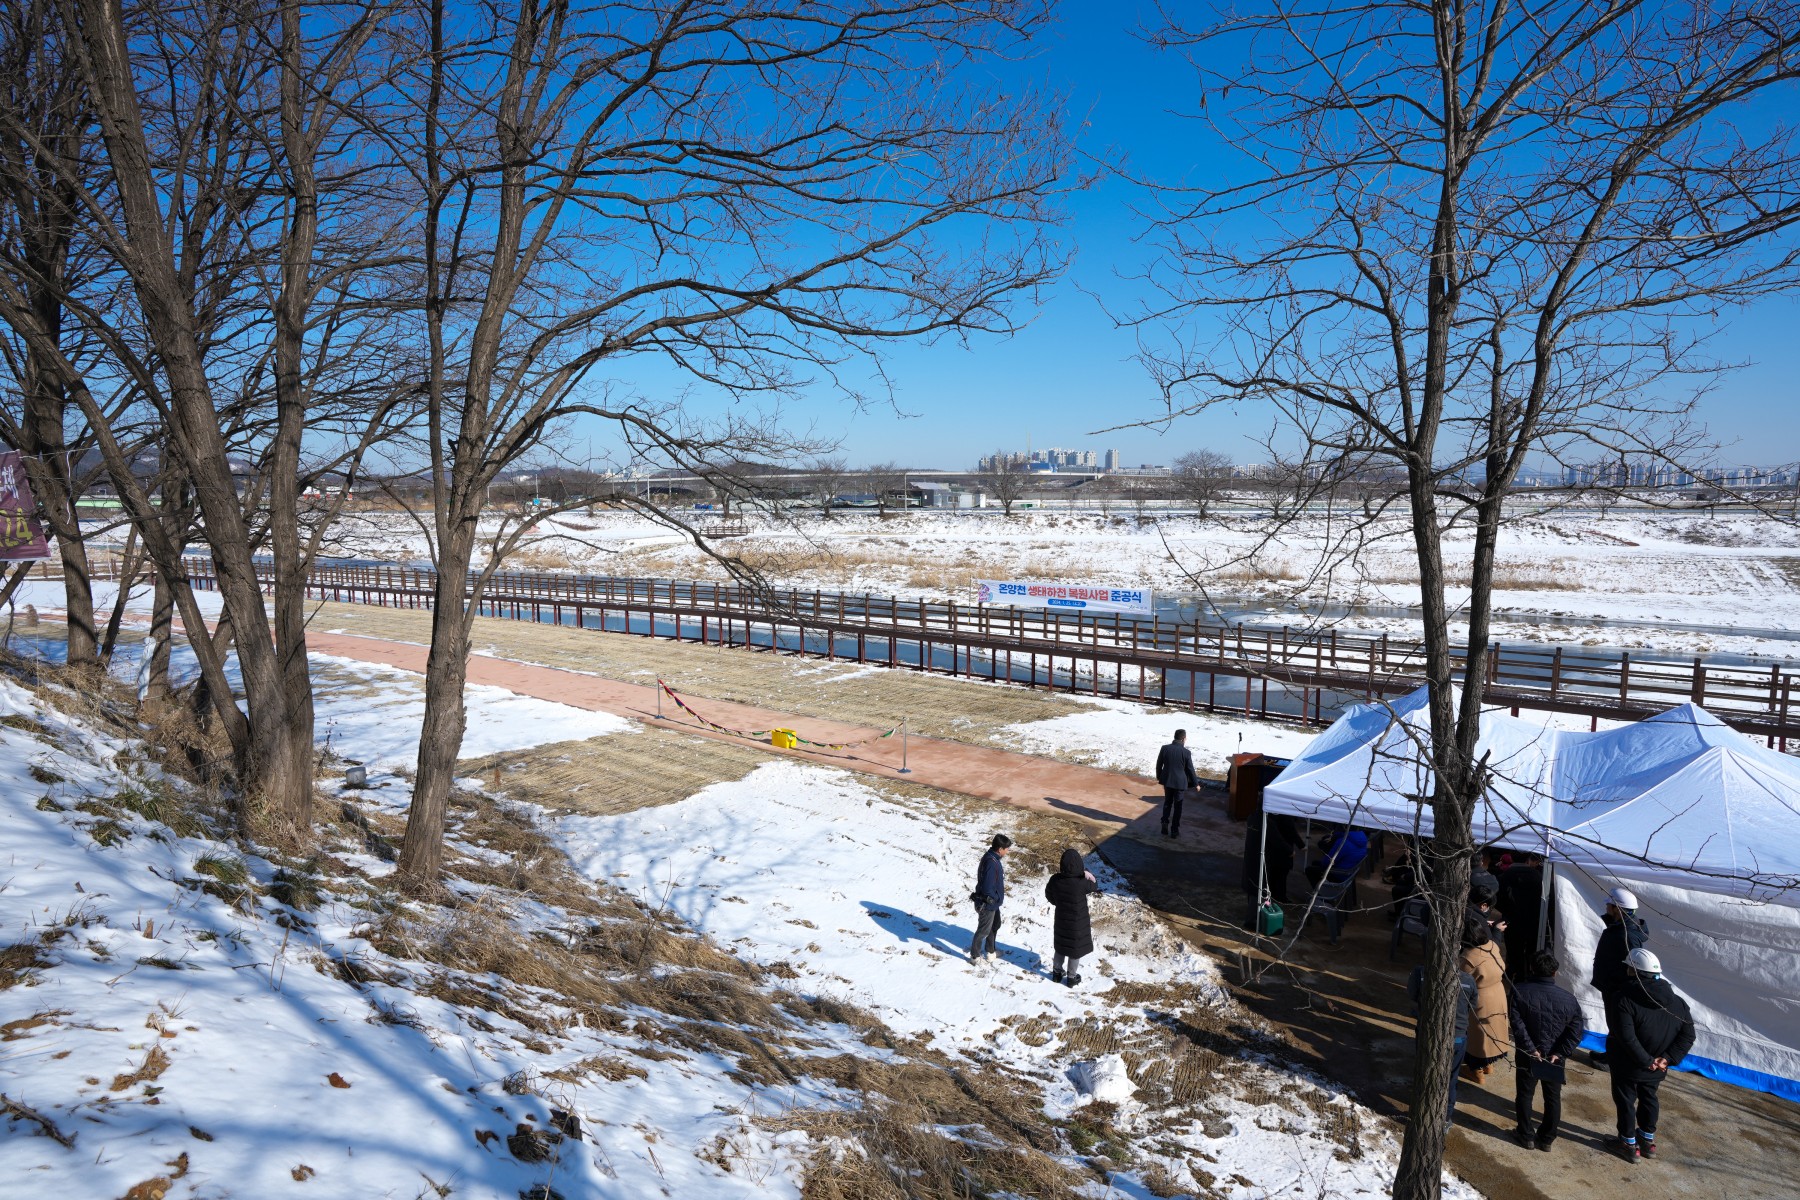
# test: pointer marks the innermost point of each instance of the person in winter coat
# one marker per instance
(1073, 938)
(1175, 771)
(1546, 1026)
(1481, 872)
(1481, 900)
(989, 895)
(1343, 853)
(1278, 848)
(1487, 1030)
(1465, 1008)
(1652, 1031)
(1623, 933)
(1521, 899)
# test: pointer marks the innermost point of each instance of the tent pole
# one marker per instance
(1543, 929)
(1262, 870)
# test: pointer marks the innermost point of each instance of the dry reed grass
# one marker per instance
(616, 774)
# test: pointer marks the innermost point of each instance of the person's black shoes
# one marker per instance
(1626, 1150)
(1524, 1138)
(1647, 1147)
(1544, 1144)
(1071, 980)
(1056, 977)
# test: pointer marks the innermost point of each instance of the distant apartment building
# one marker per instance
(1051, 459)
(1627, 474)
(1110, 461)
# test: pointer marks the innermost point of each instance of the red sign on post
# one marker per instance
(21, 533)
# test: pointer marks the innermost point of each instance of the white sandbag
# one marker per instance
(1102, 1078)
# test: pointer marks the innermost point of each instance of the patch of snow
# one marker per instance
(213, 1051)
(1122, 736)
(383, 729)
(866, 899)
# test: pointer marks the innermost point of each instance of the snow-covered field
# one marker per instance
(1681, 582)
(191, 1046)
(1122, 736)
(185, 1046)
(865, 899)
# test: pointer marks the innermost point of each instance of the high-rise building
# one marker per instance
(1111, 461)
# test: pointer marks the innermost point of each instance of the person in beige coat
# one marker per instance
(1489, 1038)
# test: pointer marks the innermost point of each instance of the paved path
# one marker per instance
(1102, 798)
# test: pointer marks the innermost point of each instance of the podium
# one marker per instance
(1244, 783)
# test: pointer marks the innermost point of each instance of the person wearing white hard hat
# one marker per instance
(1624, 933)
(1651, 1031)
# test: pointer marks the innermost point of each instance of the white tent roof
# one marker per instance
(1372, 769)
(1680, 796)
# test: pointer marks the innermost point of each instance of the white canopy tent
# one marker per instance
(1700, 821)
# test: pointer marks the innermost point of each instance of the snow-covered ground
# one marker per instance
(865, 899)
(185, 1046)
(1679, 582)
(1122, 736)
(199, 1048)
(372, 714)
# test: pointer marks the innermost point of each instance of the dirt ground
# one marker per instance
(1344, 1009)
(933, 705)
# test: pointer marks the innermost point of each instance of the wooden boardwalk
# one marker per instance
(1156, 661)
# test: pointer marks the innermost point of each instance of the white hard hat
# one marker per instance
(1645, 961)
(1622, 898)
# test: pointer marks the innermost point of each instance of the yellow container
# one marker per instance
(783, 739)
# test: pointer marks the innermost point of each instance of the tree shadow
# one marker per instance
(943, 936)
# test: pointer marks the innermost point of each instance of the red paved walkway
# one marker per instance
(1100, 797)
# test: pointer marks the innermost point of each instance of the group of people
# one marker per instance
(1507, 997)
(1068, 889)
(1510, 1001)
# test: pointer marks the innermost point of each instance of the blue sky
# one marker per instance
(1071, 371)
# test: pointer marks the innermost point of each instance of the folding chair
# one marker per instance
(1415, 918)
(1327, 900)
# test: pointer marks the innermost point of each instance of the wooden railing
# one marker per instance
(1085, 652)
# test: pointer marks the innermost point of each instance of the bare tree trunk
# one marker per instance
(446, 716)
(52, 480)
(274, 774)
(289, 598)
(130, 563)
(162, 619)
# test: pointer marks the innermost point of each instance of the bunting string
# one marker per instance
(763, 734)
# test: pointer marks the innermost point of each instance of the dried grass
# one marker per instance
(900, 1147)
(154, 1064)
(844, 690)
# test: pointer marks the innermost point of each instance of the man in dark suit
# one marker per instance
(1175, 771)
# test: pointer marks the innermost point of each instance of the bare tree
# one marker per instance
(1201, 478)
(737, 189)
(215, 212)
(885, 481)
(1139, 491)
(44, 153)
(825, 480)
(1004, 479)
(1481, 232)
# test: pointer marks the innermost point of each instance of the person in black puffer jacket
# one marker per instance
(1073, 939)
(1653, 1031)
(1546, 1026)
(1622, 934)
